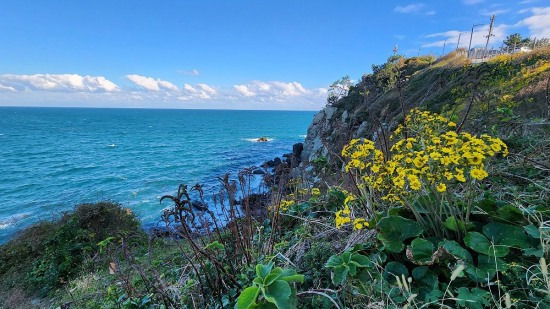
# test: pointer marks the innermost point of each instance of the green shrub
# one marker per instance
(44, 256)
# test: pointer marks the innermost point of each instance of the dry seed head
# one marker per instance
(405, 283)
(398, 282)
(543, 267)
(457, 271)
(507, 300)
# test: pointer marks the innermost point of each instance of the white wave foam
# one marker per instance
(302, 135)
(11, 220)
(256, 139)
(112, 145)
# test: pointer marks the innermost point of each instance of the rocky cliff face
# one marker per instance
(372, 109)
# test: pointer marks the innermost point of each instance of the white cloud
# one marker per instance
(275, 89)
(75, 90)
(199, 91)
(243, 90)
(429, 13)
(208, 89)
(472, 2)
(539, 23)
(150, 83)
(407, 9)
(57, 82)
(193, 72)
(478, 39)
(6, 88)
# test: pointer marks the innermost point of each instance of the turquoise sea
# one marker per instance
(54, 158)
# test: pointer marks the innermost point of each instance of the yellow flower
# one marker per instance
(399, 182)
(414, 182)
(441, 187)
(409, 145)
(360, 223)
(435, 155)
(445, 160)
(478, 173)
(315, 192)
(474, 158)
(418, 162)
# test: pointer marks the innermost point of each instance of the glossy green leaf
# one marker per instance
(474, 299)
(334, 261)
(278, 293)
(479, 243)
(486, 269)
(394, 269)
(339, 274)
(271, 277)
(456, 250)
(215, 245)
(263, 270)
(422, 251)
(506, 235)
(457, 225)
(510, 213)
(247, 299)
(360, 260)
(532, 231)
(395, 230)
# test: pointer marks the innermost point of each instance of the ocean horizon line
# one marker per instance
(160, 108)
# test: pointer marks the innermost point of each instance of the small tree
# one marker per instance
(338, 90)
(516, 40)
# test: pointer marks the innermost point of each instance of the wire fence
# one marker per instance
(483, 54)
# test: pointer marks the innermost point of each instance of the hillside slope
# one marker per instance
(508, 94)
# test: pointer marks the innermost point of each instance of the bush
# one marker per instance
(44, 256)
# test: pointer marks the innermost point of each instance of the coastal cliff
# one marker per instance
(507, 93)
(425, 183)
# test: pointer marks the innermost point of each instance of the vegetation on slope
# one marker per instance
(445, 207)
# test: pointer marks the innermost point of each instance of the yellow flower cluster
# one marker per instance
(344, 216)
(360, 223)
(430, 157)
(315, 192)
(286, 204)
(362, 155)
(299, 195)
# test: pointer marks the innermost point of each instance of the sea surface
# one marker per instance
(52, 159)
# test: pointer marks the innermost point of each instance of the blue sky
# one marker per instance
(225, 54)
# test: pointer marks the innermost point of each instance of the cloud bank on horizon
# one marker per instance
(184, 90)
(143, 91)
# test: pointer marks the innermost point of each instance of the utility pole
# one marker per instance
(471, 35)
(490, 33)
(419, 52)
(458, 42)
(444, 43)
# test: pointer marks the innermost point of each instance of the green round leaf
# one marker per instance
(278, 293)
(394, 269)
(395, 230)
(456, 250)
(422, 251)
(506, 235)
(247, 299)
(339, 274)
(479, 243)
